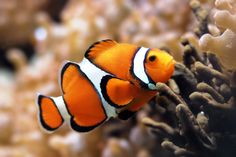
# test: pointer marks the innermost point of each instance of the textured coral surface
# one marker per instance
(192, 115)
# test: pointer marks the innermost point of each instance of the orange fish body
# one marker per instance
(113, 80)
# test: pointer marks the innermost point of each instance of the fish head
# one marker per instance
(159, 65)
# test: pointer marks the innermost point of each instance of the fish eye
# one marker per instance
(152, 58)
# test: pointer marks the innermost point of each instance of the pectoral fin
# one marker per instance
(117, 92)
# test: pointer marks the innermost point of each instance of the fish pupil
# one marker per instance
(152, 58)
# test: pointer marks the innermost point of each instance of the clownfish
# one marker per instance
(113, 80)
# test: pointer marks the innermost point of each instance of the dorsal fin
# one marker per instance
(99, 47)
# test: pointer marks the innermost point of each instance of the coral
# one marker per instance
(73, 144)
(16, 20)
(197, 120)
(19, 19)
(117, 148)
(157, 25)
(223, 45)
(202, 16)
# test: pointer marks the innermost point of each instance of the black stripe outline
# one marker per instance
(142, 84)
(66, 65)
(144, 61)
(40, 97)
(79, 128)
(73, 124)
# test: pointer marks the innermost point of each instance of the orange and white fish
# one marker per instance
(113, 80)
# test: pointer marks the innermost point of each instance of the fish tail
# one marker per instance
(50, 117)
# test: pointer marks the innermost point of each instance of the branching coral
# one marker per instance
(202, 16)
(18, 20)
(200, 119)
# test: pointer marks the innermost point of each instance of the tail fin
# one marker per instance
(49, 115)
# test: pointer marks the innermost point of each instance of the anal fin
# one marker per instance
(141, 99)
(125, 114)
